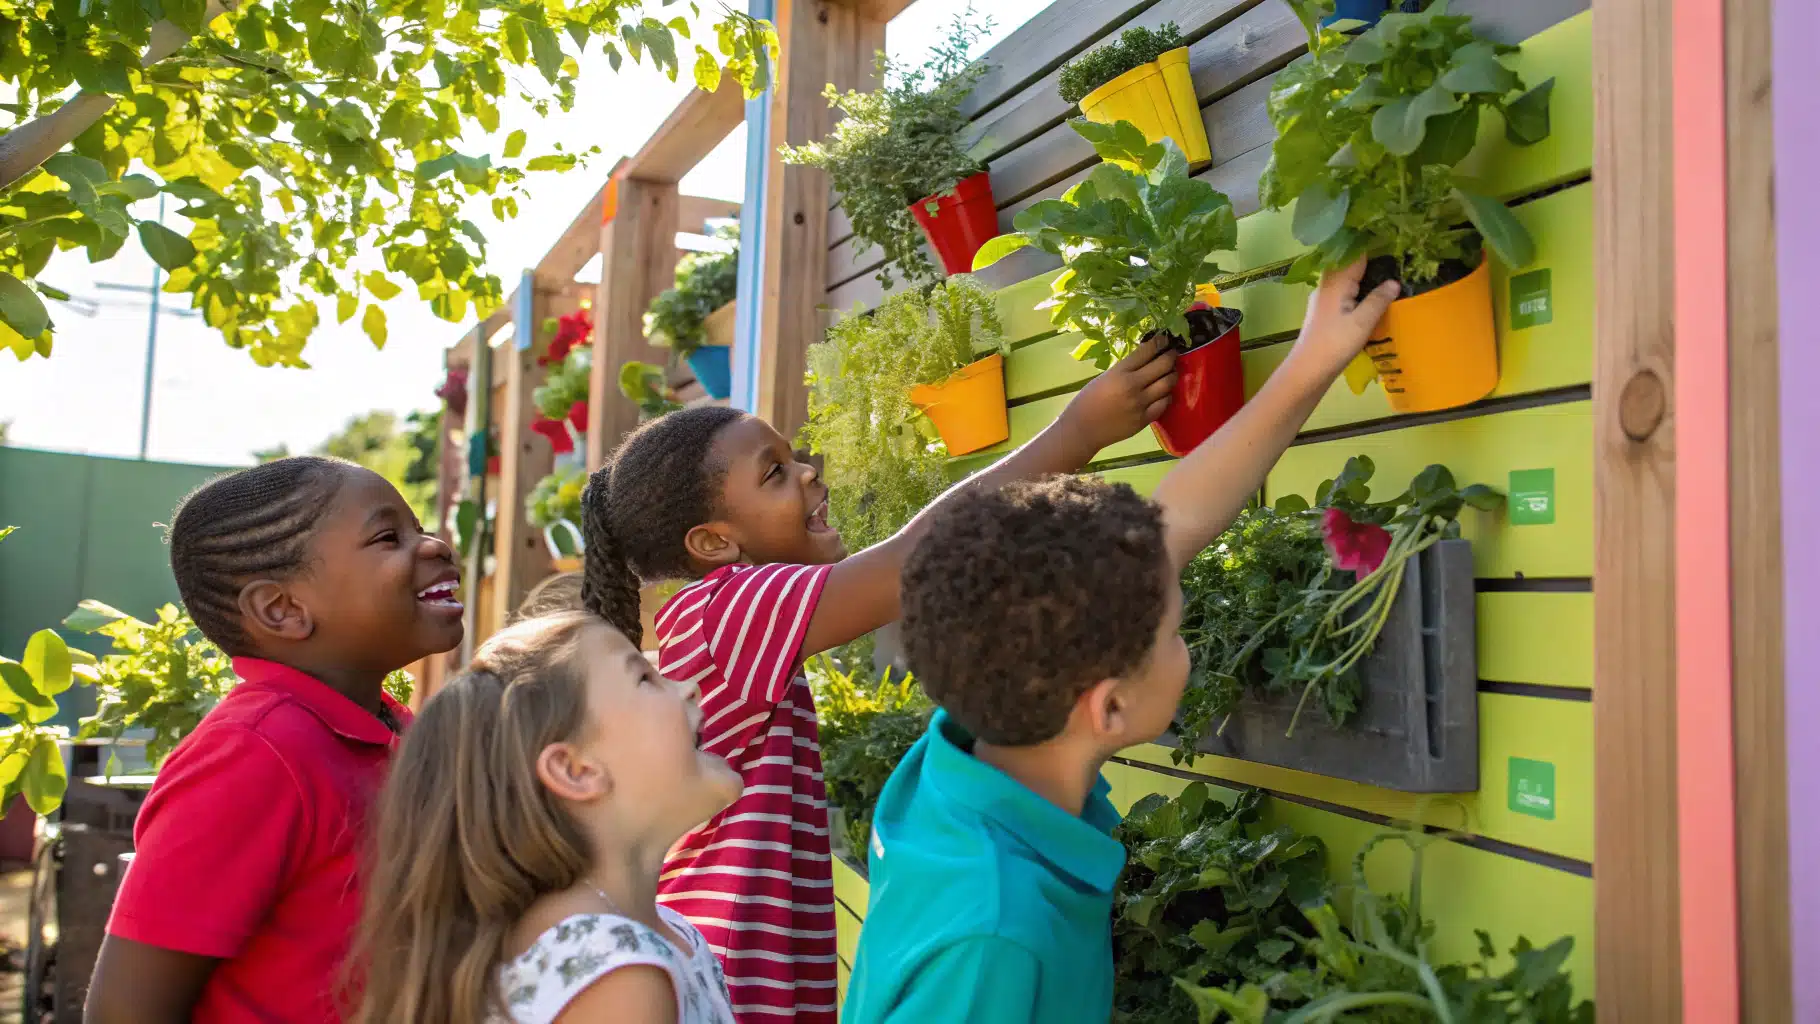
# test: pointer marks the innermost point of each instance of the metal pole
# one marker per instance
(151, 352)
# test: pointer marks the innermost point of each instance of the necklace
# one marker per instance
(602, 893)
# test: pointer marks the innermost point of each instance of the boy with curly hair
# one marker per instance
(1043, 619)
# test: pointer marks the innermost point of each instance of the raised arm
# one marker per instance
(862, 590)
(1204, 492)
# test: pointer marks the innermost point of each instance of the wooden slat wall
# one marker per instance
(1516, 874)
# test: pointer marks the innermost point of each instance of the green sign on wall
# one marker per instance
(1532, 788)
(1532, 497)
(1531, 300)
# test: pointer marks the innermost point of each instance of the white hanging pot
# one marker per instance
(574, 542)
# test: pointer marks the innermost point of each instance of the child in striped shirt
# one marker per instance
(717, 496)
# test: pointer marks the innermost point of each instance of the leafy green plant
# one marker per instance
(1293, 596)
(899, 144)
(648, 387)
(298, 138)
(30, 760)
(1135, 238)
(1369, 129)
(867, 726)
(1377, 966)
(1134, 47)
(882, 460)
(399, 686)
(556, 498)
(705, 281)
(564, 384)
(162, 675)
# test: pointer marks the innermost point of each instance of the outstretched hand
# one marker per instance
(1338, 322)
(1126, 398)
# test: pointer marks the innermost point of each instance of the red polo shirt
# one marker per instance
(248, 846)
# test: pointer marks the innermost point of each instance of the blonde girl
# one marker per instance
(521, 835)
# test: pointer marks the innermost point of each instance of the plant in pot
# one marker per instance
(554, 506)
(562, 400)
(647, 385)
(1293, 596)
(1369, 131)
(1141, 77)
(886, 386)
(868, 724)
(899, 162)
(1135, 239)
(676, 319)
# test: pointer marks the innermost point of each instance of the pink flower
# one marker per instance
(454, 390)
(555, 433)
(1356, 547)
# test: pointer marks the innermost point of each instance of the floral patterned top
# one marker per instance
(583, 948)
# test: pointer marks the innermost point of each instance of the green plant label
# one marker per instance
(1532, 788)
(1532, 497)
(1531, 300)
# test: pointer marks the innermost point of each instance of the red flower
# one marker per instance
(492, 465)
(555, 433)
(571, 330)
(578, 416)
(1356, 547)
(454, 390)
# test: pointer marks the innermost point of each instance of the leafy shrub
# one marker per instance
(163, 675)
(565, 384)
(1134, 47)
(1134, 237)
(1369, 129)
(1275, 608)
(867, 727)
(882, 460)
(705, 281)
(901, 143)
(556, 498)
(399, 686)
(648, 387)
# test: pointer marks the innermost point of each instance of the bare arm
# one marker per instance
(1204, 493)
(139, 984)
(626, 995)
(862, 590)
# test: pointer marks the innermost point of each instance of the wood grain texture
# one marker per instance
(1634, 836)
(1044, 43)
(1764, 953)
(520, 556)
(689, 134)
(638, 260)
(693, 212)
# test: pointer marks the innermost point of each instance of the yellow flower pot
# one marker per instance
(968, 409)
(1438, 350)
(1159, 99)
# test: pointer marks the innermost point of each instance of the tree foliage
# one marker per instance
(302, 137)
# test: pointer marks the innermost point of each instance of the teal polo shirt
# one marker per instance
(989, 903)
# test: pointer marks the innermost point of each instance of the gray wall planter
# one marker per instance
(1418, 728)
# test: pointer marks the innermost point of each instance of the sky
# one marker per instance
(212, 405)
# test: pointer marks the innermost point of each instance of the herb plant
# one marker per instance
(899, 144)
(1293, 596)
(705, 281)
(163, 675)
(883, 462)
(867, 726)
(556, 498)
(647, 386)
(1135, 238)
(1134, 47)
(565, 384)
(1369, 129)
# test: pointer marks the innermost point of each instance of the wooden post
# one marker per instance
(637, 260)
(821, 42)
(1637, 955)
(474, 486)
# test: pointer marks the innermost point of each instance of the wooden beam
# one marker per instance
(1637, 953)
(822, 42)
(474, 488)
(638, 260)
(520, 556)
(579, 243)
(1760, 717)
(693, 213)
(691, 132)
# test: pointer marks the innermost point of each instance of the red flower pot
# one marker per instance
(1209, 383)
(961, 223)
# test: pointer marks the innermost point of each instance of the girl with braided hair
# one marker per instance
(316, 577)
(718, 497)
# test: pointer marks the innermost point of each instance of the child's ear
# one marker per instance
(564, 771)
(711, 544)
(269, 609)
(1103, 709)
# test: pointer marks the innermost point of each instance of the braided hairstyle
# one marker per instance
(658, 485)
(246, 525)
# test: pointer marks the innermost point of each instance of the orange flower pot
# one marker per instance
(968, 408)
(1439, 349)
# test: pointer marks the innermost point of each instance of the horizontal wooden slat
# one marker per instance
(1537, 638)
(1044, 43)
(846, 934)
(1464, 888)
(850, 887)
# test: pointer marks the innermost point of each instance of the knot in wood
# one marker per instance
(1641, 405)
(797, 218)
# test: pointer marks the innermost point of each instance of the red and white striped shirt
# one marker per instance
(757, 879)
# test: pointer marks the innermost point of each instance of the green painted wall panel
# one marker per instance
(1545, 639)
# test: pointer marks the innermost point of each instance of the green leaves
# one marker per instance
(515, 143)
(1526, 117)
(646, 385)
(1319, 212)
(167, 248)
(1501, 231)
(1400, 125)
(705, 281)
(546, 50)
(380, 286)
(21, 309)
(373, 323)
(998, 248)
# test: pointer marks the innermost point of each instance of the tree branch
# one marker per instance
(29, 145)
